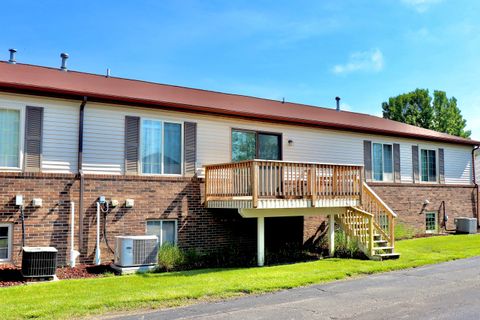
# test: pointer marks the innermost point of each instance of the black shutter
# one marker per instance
(396, 162)
(33, 139)
(441, 165)
(367, 159)
(415, 168)
(190, 147)
(132, 144)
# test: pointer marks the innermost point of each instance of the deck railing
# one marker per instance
(268, 179)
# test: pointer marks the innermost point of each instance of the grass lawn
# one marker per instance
(76, 298)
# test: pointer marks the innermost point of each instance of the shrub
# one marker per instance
(289, 253)
(402, 231)
(170, 257)
(345, 247)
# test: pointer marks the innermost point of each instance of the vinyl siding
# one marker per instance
(104, 140)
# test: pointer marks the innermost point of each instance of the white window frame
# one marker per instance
(182, 161)
(21, 135)
(10, 239)
(161, 229)
(437, 165)
(383, 163)
(436, 222)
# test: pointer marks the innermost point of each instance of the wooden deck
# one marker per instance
(263, 184)
(277, 187)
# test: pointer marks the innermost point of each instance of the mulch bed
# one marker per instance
(11, 275)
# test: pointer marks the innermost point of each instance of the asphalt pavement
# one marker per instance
(449, 290)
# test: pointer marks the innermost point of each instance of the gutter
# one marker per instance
(474, 179)
(80, 173)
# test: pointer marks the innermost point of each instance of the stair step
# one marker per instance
(387, 256)
(382, 248)
(380, 241)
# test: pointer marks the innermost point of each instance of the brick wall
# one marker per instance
(180, 199)
(155, 198)
(407, 201)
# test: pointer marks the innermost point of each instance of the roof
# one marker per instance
(51, 81)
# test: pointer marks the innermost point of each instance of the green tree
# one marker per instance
(419, 109)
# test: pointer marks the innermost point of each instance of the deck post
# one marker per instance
(331, 235)
(260, 241)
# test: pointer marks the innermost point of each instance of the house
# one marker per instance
(186, 157)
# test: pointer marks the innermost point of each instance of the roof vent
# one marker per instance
(12, 56)
(64, 57)
(338, 103)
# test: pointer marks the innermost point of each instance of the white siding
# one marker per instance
(104, 140)
(458, 165)
(60, 137)
(406, 171)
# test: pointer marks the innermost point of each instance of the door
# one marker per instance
(249, 145)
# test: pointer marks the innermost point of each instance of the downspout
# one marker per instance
(80, 173)
(475, 183)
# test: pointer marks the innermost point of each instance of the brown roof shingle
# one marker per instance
(50, 81)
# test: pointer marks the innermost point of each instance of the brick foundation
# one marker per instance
(407, 201)
(180, 199)
(155, 198)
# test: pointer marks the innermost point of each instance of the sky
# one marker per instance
(364, 51)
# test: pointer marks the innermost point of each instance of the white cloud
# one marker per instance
(371, 60)
(420, 5)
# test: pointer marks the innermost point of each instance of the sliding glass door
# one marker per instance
(248, 145)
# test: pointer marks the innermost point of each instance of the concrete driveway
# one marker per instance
(445, 291)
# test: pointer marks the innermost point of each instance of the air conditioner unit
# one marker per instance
(132, 251)
(38, 262)
(466, 225)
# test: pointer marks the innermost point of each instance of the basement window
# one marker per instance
(5, 242)
(165, 230)
(431, 222)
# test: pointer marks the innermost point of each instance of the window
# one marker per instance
(165, 230)
(428, 160)
(248, 145)
(161, 147)
(5, 242)
(9, 138)
(431, 222)
(382, 162)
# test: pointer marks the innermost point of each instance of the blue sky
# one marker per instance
(305, 51)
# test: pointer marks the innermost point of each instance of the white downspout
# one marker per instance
(97, 249)
(73, 253)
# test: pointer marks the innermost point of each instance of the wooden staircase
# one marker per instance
(372, 225)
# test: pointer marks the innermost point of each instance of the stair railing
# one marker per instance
(383, 216)
(358, 224)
